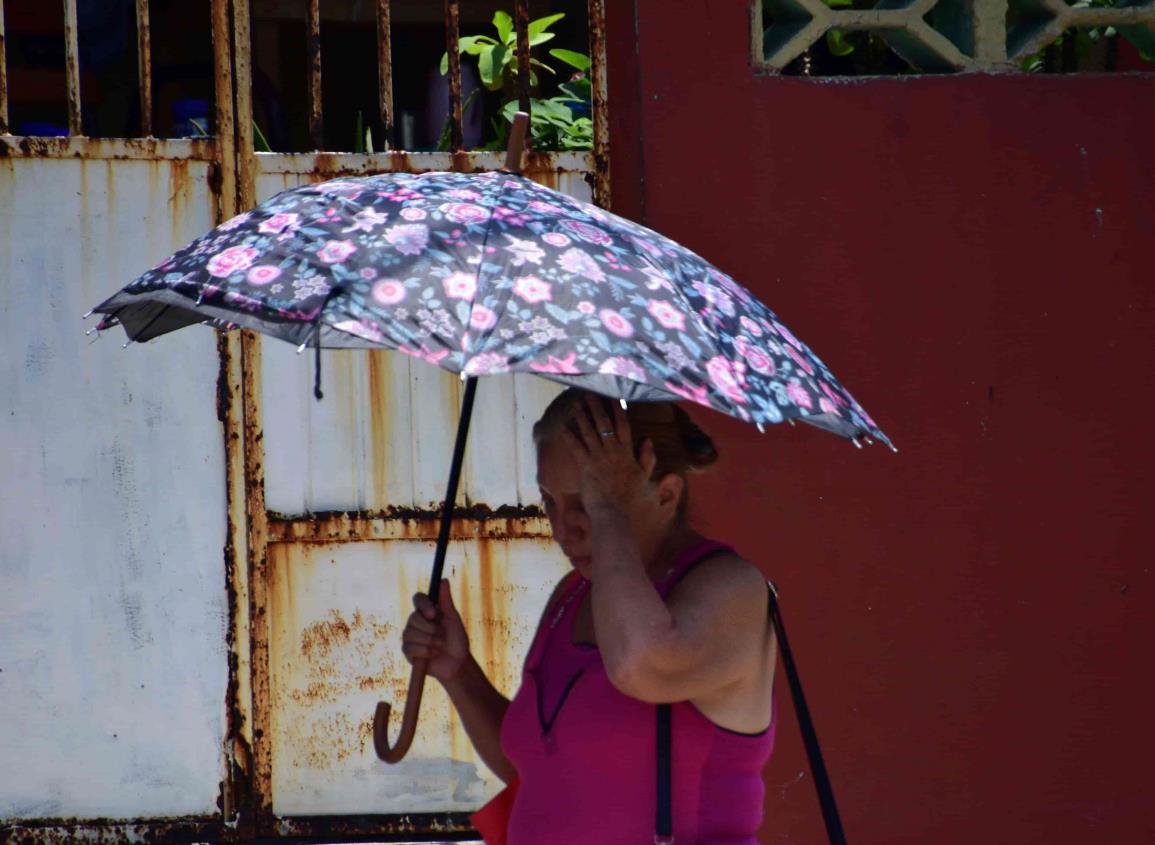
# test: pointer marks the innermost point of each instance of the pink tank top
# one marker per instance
(585, 753)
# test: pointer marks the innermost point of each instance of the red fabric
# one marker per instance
(492, 820)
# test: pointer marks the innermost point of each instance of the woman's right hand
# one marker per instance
(436, 633)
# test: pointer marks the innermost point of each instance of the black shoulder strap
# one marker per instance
(809, 737)
(664, 826)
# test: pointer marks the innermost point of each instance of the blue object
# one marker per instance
(184, 113)
(41, 129)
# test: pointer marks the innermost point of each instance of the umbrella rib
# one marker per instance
(467, 352)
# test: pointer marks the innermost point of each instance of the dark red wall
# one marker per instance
(974, 256)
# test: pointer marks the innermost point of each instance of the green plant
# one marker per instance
(557, 122)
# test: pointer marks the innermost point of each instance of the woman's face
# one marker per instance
(558, 480)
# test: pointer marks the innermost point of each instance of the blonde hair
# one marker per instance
(680, 446)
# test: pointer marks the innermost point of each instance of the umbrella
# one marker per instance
(490, 273)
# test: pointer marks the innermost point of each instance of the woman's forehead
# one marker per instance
(556, 470)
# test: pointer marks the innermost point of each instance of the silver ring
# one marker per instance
(606, 433)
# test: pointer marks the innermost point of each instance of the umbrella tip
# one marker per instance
(761, 428)
(855, 441)
(625, 405)
(893, 448)
(127, 343)
(302, 347)
(89, 314)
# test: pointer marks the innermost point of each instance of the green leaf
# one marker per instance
(838, 44)
(489, 66)
(503, 23)
(577, 60)
(541, 39)
(542, 24)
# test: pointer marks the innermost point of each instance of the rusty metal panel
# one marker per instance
(112, 600)
(337, 611)
(382, 436)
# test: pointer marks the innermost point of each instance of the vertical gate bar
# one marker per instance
(990, 33)
(385, 73)
(243, 59)
(226, 142)
(600, 102)
(258, 543)
(72, 68)
(4, 130)
(453, 48)
(313, 26)
(521, 27)
(144, 66)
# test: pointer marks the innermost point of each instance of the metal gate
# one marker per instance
(157, 694)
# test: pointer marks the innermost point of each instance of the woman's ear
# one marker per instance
(670, 488)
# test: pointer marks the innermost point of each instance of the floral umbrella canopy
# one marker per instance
(489, 273)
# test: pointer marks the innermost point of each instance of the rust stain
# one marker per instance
(181, 191)
(319, 639)
(101, 831)
(385, 72)
(599, 103)
(314, 47)
(489, 643)
(72, 68)
(144, 65)
(380, 425)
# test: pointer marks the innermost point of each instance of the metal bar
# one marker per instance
(313, 30)
(453, 48)
(144, 66)
(599, 102)
(385, 74)
(116, 149)
(258, 546)
(4, 127)
(451, 490)
(521, 27)
(225, 127)
(242, 58)
(72, 68)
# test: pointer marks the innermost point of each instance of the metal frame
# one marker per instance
(246, 799)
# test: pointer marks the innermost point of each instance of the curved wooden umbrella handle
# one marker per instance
(394, 754)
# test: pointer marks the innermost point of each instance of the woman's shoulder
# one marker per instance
(723, 573)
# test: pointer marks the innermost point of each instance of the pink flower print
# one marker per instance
(413, 214)
(362, 328)
(365, 219)
(755, 356)
(656, 279)
(624, 367)
(832, 393)
(726, 376)
(408, 238)
(799, 396)
(481, 318)
(524, 251)
(341, 187)
(787, 336)
(555, 238)
(532, 289)
(280, 222)
(546, 208)
(486, 363)
(424, 353)
(460, 285)
(616, 323)
(335, 252)
(263, 274)
(228, 261)
(586, 307)
(666, 314)
(557, 365)
(827, 406)
(389, 291)
(461, 212)
(646, 246)
(729, 284)
(694, 394)
(716, 297)
(800, 359)
(234, 222)
(750, 326)
(586, 232)
(578, 262)
(463, 194)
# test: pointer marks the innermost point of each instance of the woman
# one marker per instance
(653, 613)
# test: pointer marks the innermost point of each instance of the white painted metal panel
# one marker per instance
(337, 612)
(347, 453)
(112, 505)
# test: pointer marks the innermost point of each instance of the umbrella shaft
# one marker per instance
(451, 492)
